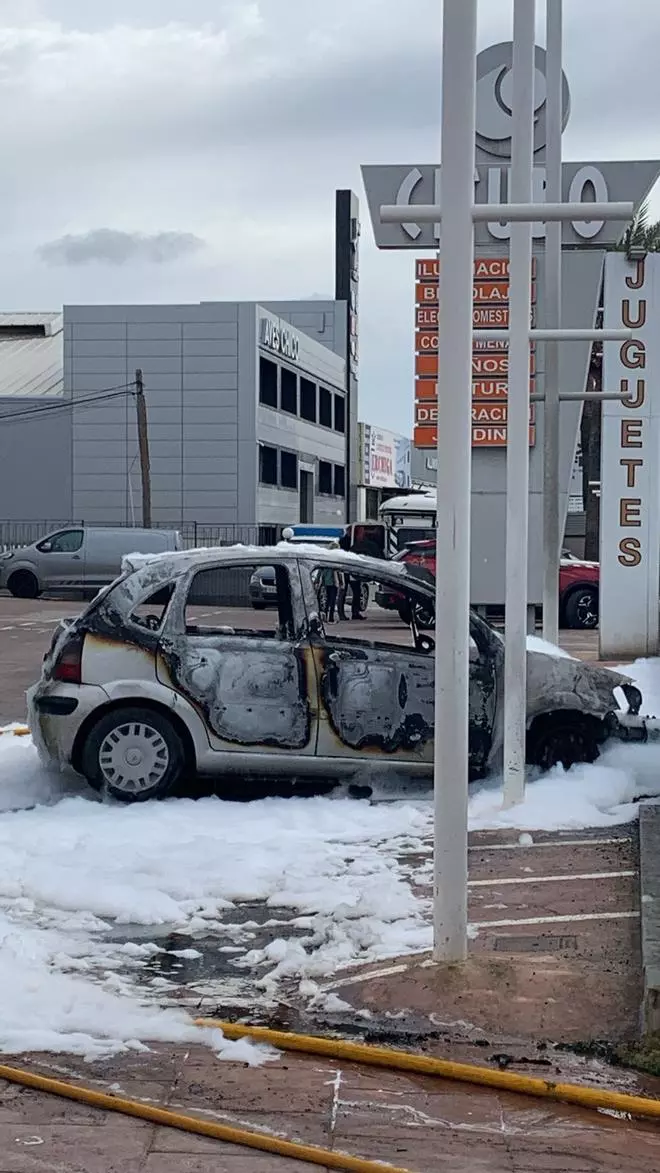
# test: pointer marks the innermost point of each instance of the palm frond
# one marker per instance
(641, 233)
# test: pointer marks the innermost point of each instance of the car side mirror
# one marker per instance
(474, 652)
(47, 547)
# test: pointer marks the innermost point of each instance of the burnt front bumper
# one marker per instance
(630, 727)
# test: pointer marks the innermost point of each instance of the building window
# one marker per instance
(308, 400)
(340, 413)
(288, 391)
(325, 477)
(325, 407)
(267, 465)
(340, 480)
(267, 382)
(288, 470)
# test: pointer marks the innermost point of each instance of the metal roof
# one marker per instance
(31, 354)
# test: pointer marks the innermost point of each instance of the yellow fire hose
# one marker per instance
(567, 1093)
(312, 1154)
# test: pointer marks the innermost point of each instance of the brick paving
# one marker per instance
(412, 1121)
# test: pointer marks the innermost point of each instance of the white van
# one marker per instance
(78, 557)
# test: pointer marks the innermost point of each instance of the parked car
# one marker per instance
(578, 586)
(578, 592)
(78, 557)
(263, 590)
(148, 686)
(420, 558)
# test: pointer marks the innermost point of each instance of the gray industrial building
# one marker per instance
(251, 411)
(246, 412)
(248, 420)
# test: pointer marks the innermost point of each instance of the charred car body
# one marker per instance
(164, 676)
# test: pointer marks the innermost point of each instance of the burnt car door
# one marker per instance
(375, 679)
(486, 665)
(245, 671)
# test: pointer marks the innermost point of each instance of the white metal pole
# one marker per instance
(551, 414)
(517, 453)
(459, 50)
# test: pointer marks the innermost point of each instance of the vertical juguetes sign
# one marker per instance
(630, 475)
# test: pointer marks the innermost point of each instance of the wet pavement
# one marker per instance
(415, 1122)
(555, 953)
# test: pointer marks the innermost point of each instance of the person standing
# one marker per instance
(329, 582)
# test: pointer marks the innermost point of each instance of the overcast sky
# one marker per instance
(155, 150)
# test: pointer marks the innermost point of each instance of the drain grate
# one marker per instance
(535, 944)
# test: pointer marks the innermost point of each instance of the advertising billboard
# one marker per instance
(386, 459)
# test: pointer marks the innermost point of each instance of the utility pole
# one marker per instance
(553, 193)
(143, 443)
(454, 450)
(517, 452)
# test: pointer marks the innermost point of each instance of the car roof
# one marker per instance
(177, 562)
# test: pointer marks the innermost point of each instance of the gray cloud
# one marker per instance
(238, 120)
(110, 247)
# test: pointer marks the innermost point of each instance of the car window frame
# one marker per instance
(143, 599)
(396, 583)
(278, 636)
(40, 546)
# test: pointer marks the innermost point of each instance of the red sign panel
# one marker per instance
(489, 436)
(485, 268)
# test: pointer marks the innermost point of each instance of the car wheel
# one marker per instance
(23, 584)
(134, 754)
(364, 596)
(581, 609)
(563, 739)
(259, 606)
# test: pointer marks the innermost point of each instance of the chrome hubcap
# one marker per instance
(133, 758)
(586, 610)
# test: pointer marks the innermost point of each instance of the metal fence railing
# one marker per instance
(193, 533)
(23, 533)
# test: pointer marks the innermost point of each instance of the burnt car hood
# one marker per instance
(555, 681)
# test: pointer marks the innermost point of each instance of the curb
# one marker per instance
(649, 878)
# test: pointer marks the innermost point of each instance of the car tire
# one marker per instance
(23, 584)
(259, 606)
(565, 739)
(138, 731)
(364, 596)
(581, 608)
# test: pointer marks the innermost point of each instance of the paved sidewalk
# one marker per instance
(557, 956)
(422, 1124)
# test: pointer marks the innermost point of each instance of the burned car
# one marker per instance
(170, 673)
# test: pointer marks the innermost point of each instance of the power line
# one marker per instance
(82, 401)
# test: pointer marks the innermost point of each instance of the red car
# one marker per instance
(578, 592)
(578, 586)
